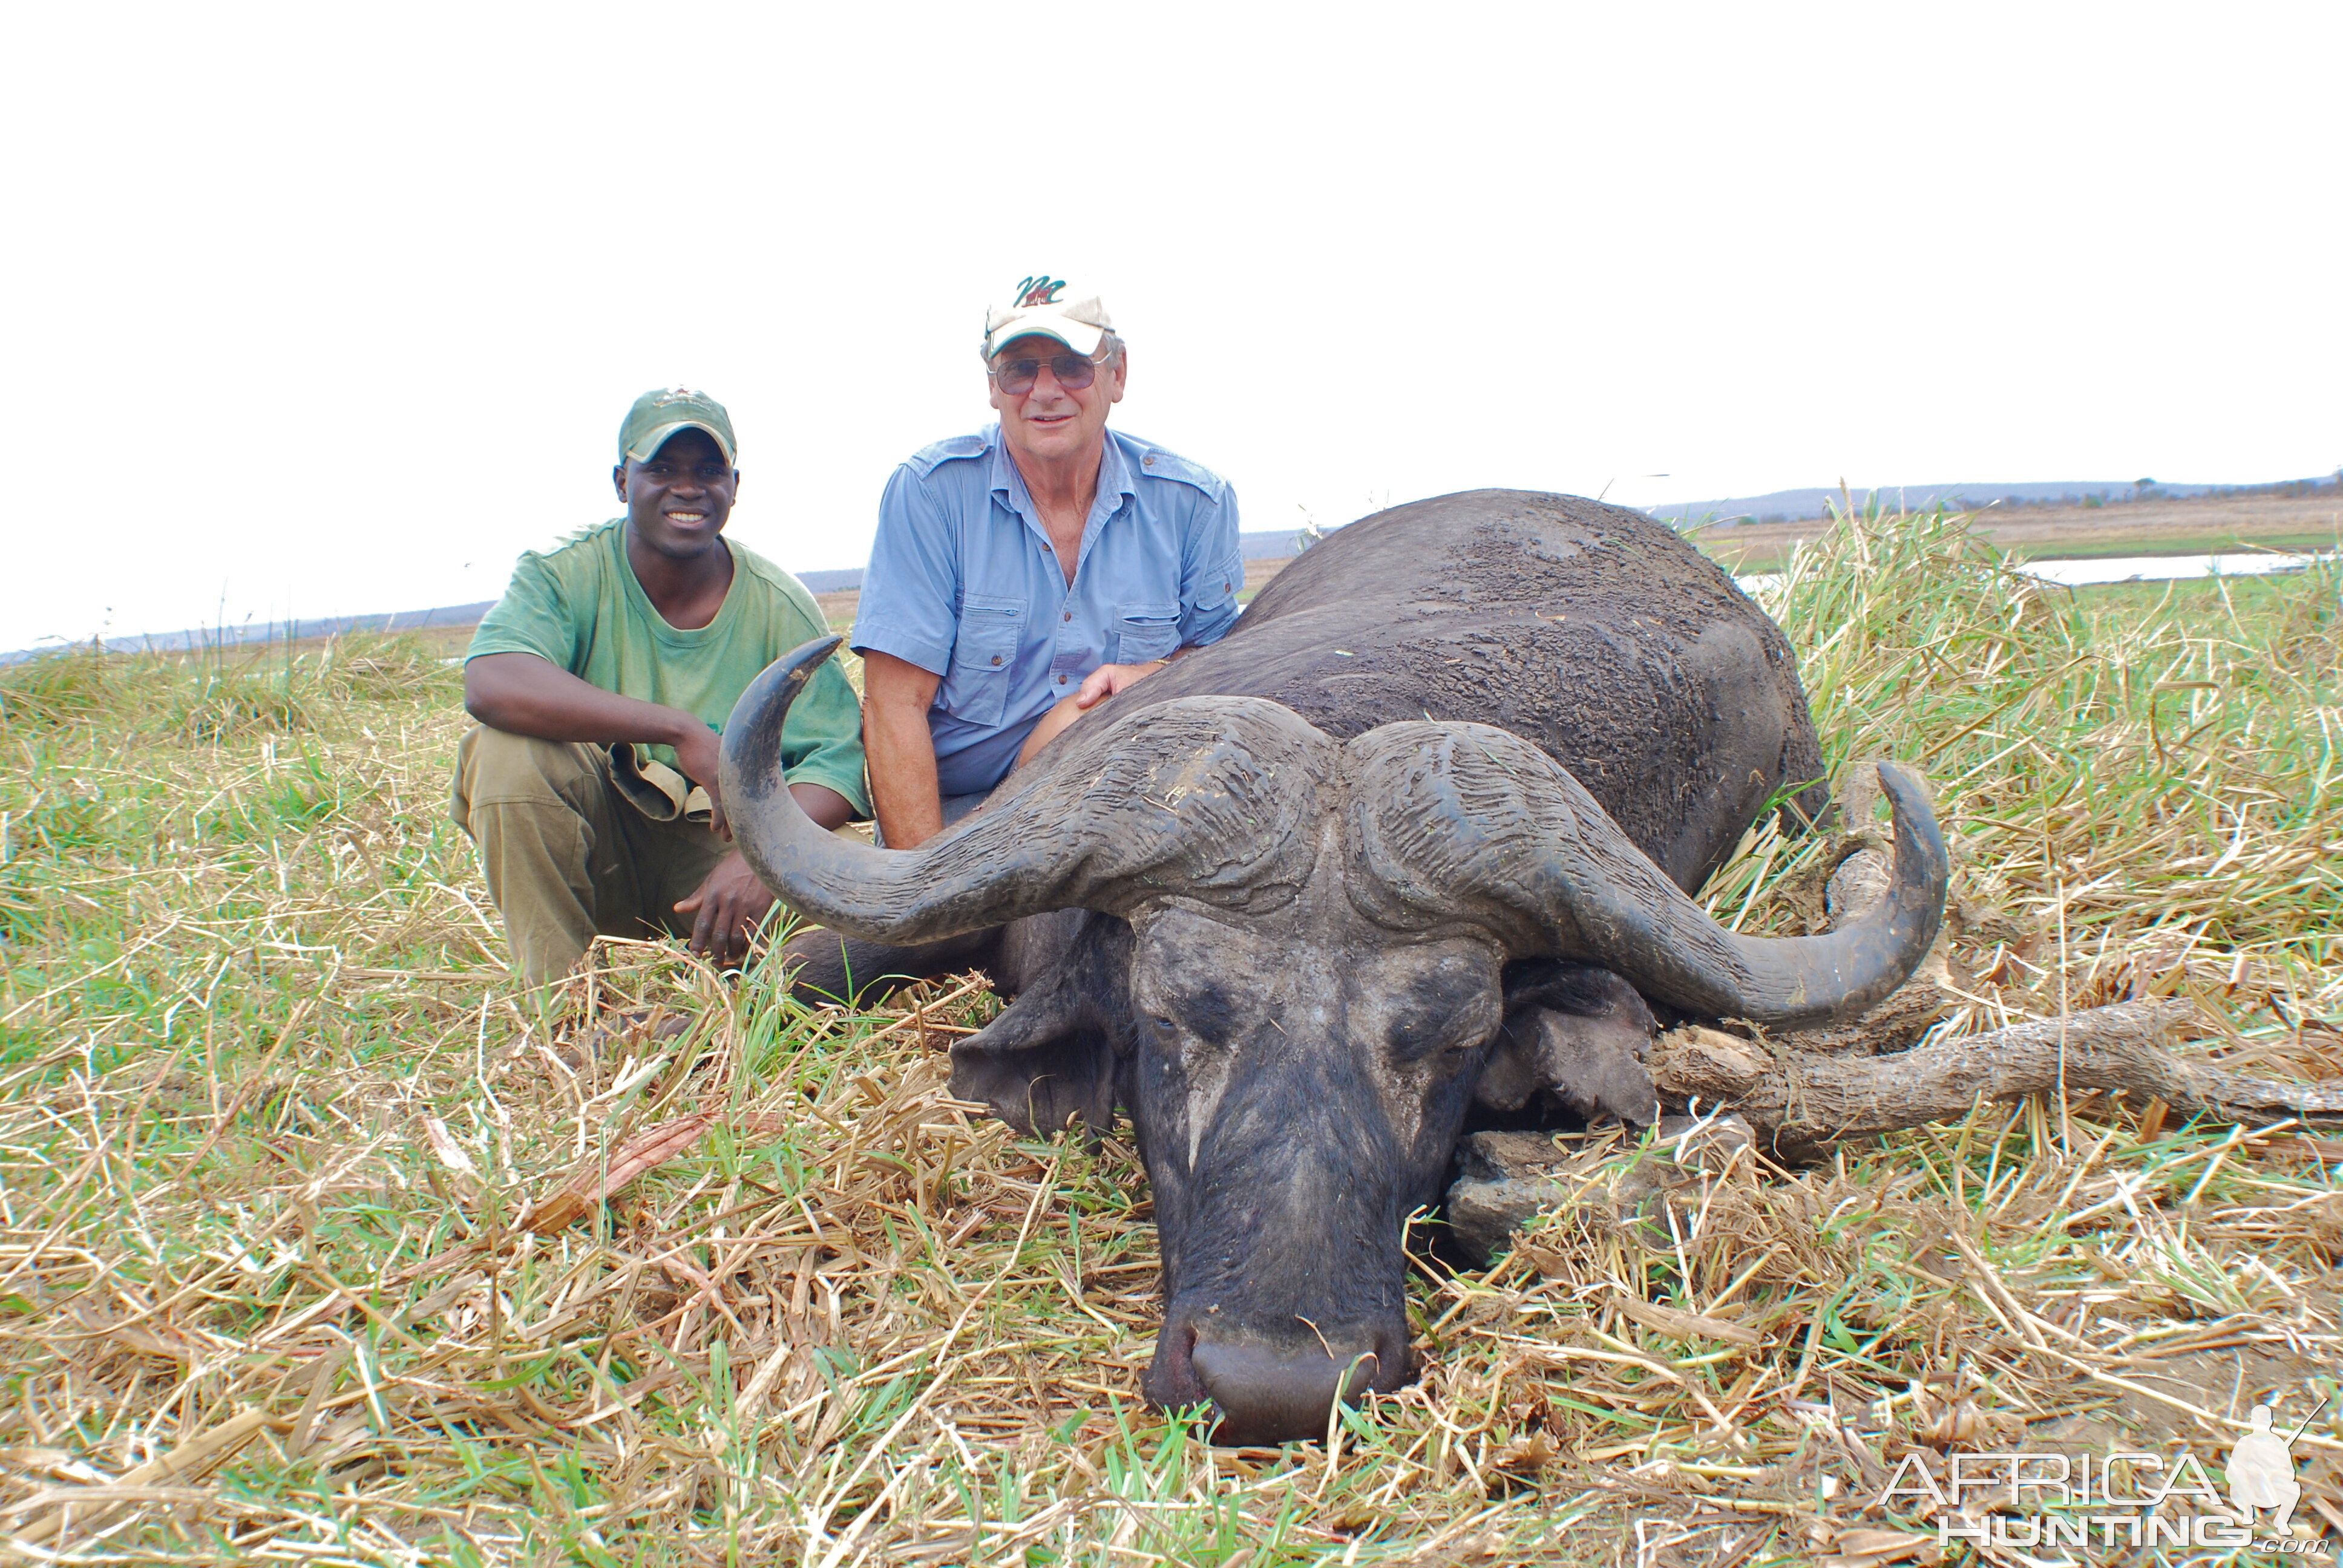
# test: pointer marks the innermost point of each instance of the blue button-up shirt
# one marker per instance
(963, 583)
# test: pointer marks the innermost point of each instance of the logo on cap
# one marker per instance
(1043, 290)
(677, 395)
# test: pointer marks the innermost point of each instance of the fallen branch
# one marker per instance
(1795, 1099)
(1892, 1026)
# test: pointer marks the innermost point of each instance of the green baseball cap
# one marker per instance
(660, 412)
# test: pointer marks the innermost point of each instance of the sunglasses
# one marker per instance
(1015, 378)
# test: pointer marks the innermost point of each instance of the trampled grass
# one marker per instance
(275, 1127)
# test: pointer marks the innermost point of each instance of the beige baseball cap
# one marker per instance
(1038, 305)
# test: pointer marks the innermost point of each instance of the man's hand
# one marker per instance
(522, 694)
(728, 908)
(1097, 686)
(1109, 678)
(699, 756)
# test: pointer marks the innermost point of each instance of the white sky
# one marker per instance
(324, 309)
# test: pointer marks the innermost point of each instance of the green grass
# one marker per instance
(2304, 541)
(272, 1116)
(2147, 542)
(2146, 765)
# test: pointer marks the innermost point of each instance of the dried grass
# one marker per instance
(277, 1130)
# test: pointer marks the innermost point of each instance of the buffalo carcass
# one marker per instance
(1419, 831)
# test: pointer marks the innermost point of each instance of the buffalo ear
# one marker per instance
(1578, 1033)
(1042, 1063)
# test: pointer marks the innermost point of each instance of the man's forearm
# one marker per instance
(901, 752)
(826, 806)
(522, 694)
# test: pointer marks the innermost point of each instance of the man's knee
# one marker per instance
(494, 767)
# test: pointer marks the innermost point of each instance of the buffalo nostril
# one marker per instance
(1171, 1382)
(1393, 1359)
(1267, 1395)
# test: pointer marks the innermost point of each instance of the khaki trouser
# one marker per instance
(569, 853)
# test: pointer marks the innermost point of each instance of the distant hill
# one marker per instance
(1795, 505)
(1781, 507)
(1257, 546)
(278, 632)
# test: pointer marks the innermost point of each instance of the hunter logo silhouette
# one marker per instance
(1043, 290)
(2261, 1470)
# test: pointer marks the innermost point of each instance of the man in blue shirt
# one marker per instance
(1022, 574)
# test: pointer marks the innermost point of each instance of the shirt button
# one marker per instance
(996, 658)
(1148, 461)
(1070, 614)
(1061, 680)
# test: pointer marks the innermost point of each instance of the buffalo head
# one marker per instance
(1293, 973)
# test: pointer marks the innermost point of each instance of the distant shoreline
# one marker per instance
(1813, 504)
(2169, 520)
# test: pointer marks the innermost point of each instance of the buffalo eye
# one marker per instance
(1417, 1037)
(1439, 1012)
(1209, 1013)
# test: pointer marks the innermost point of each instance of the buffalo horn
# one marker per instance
(1188, 796)
(1466, 819)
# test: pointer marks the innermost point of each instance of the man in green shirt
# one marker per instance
(602, 680)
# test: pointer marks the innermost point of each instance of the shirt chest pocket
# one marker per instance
(984, 656)
(1144, 631)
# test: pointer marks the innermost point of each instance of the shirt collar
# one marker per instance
(1114, 470)
(1006, 479)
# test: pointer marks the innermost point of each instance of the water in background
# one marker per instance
(2116, 570)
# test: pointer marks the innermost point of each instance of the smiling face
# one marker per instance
(1050, 424)
(678, 500)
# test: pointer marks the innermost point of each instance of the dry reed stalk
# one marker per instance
(850, 1298)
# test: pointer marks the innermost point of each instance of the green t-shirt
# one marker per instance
(580, 607)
